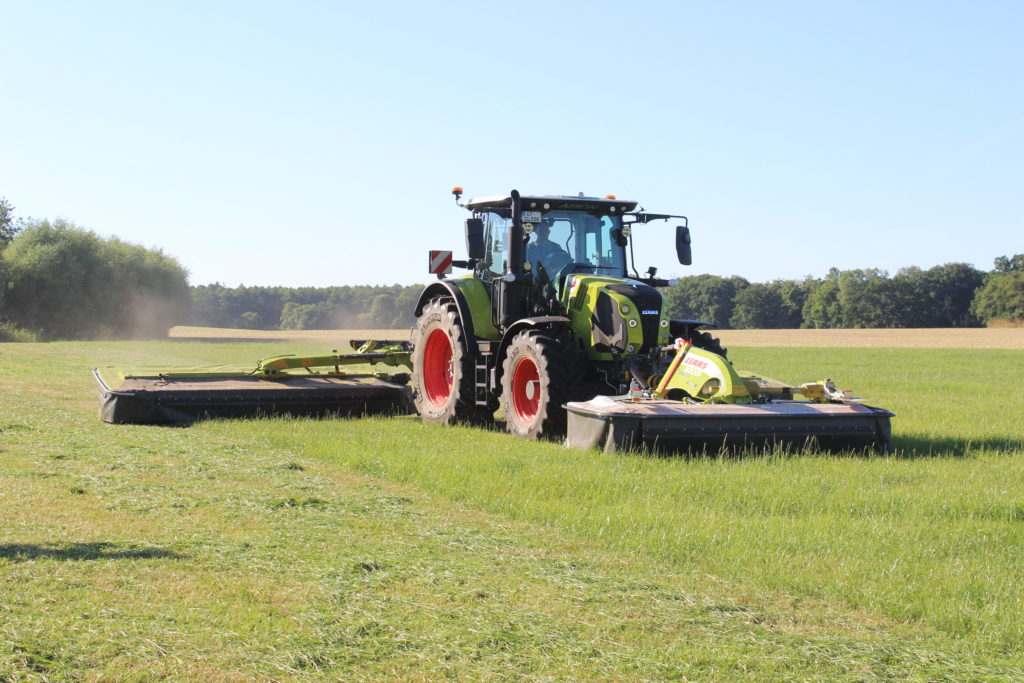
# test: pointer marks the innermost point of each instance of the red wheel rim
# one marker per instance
(437, 368)
(526, 390)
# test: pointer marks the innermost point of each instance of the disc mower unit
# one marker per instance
(663, 425)
(703, 403)
(281, 385)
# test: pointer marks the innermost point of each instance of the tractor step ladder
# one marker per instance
(481, 371)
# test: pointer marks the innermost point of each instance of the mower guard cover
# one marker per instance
(614, 424)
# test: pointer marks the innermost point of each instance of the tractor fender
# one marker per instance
(544, 322)
(473, 303)
(445, 288)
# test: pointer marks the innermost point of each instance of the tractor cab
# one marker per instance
(554, 236)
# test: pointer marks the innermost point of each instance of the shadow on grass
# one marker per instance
(905, 447)
(23, 552)
(913, 446)
(256, 412)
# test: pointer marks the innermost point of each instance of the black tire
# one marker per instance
(539, 375)
(704, 340)
(442, 375)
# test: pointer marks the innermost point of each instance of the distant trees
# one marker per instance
(1008, 264)
(305, 308)
(756, 306)
(948, 295)
(705, 297)
(943, 296)
(940, 296)
(822, 309)
(63, 282)
(9, 228)
(776, 304)
(1002, 295)
(306, 316)
(59, 281)
(868, 298)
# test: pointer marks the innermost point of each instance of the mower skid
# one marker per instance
(149, 400)
(665, 425)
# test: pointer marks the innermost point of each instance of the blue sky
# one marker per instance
(315, 143)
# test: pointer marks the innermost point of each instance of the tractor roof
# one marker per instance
(562, 202)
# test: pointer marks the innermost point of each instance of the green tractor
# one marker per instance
(551, 324)
(552, 311)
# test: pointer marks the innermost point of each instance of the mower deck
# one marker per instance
(150, 400)
(623, 424)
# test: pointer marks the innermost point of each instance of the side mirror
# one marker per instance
(475, 238)
(683, 250)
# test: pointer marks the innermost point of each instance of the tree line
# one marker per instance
(59, 281)
(304, 308)
(950, 295)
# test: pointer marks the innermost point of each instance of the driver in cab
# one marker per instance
(545, 253)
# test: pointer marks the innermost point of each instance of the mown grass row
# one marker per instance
(933, 534)
(389, 549)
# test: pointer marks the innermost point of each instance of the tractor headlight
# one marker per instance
(664, 323)
(625, 309)
(632, 322)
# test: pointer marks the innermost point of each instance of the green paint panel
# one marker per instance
(480, 309)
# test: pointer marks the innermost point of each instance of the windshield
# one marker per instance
(565, 242)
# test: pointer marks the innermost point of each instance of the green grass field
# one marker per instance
(388, 549)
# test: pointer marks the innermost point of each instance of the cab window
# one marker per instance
(495, 242)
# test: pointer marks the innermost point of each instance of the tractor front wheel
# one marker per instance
(539, 375)
(442, 376)
(709, 342)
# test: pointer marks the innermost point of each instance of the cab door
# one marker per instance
(494, 264)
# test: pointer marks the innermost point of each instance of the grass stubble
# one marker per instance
(386, 549)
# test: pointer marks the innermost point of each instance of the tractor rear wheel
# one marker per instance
(442, 376)
(539, 375)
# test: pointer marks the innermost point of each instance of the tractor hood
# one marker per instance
(619, 316)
